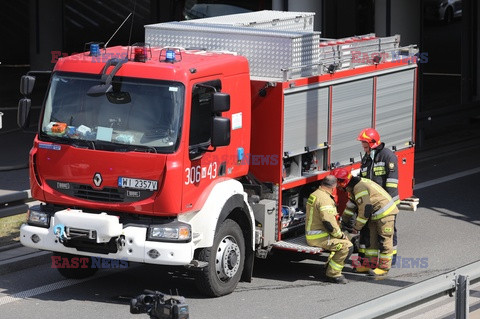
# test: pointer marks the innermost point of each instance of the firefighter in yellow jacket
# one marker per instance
(322, 229)
(374, 204)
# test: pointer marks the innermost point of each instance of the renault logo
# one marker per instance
(97, 179)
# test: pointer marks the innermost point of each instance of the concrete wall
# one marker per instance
(477, 95)
(46, 26)
(405, 19)
(381, 18)
(302, 6)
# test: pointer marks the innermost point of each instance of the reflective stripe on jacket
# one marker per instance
(382, 169)
(366, 192)
(321, 208)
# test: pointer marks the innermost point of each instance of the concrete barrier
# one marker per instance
(14, 203)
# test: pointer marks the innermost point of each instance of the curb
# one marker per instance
(11, 246)
(24, 261)
(447, 149)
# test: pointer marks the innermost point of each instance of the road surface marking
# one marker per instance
(446, 178)
(50, 287)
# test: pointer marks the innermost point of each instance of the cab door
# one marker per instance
(203, 164)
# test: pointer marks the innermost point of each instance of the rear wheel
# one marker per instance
(76, 267)
(225, 259)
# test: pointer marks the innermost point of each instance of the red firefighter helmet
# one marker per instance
(371, 136)
(343, 176)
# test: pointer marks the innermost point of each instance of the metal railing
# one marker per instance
(14, 203)
(456, 281)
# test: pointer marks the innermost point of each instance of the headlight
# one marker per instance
(172, 232)
(38, 218)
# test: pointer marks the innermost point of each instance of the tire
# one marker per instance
(225, 258)
(78, 272)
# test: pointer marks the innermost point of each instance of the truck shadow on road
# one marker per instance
(453, 202)
(311, 269)
(118, 286)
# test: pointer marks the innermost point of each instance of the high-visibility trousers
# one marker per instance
(340, 248)
(380, 251)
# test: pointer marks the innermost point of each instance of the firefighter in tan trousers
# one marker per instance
(375, 204)
(322, 229)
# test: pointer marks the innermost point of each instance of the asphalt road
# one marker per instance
(444, 231)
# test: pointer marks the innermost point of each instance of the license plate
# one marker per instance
(136, 183)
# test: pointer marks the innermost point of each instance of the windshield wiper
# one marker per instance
(87, 142)
(137, 148)
(66, 140)
(120, 147)
(69, 141)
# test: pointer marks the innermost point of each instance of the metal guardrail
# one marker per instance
(398, 301)
(14, 203)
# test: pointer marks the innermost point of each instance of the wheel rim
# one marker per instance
(227, 259)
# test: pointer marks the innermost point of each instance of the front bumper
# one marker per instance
(135, 247)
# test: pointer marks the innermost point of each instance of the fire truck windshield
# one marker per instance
(137, 114)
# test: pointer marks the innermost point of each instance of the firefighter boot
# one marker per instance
(378, 272)
(362, 270)
(338, 280)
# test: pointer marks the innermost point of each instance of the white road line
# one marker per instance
(446, 178)
(40, 290)
(51, 287)
(24, 257)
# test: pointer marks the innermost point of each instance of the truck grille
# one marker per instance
(105, 195)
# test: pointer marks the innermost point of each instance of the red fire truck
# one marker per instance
(199, 147)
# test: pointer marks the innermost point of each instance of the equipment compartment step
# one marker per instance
(409, 204)
(298, 244)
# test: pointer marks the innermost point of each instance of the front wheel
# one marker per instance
(225, 259)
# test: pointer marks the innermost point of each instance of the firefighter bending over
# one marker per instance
(322, 229)
(380, 165)
(377, 207)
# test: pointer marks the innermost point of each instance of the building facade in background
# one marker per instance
(36, 33)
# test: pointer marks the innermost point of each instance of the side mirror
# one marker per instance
(99, 90)
(24, 106)
(26, 84)
(220, 131)
(221, 102)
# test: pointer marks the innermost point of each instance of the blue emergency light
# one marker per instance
(170, 56)
(94, 49)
